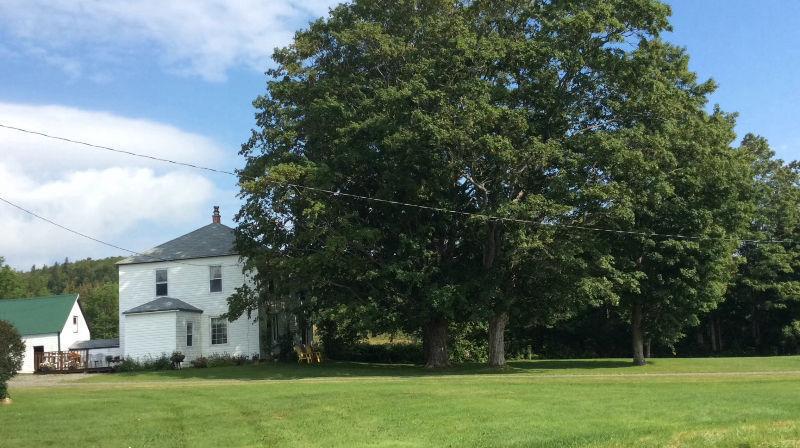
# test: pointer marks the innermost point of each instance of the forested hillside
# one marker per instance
(95, 281)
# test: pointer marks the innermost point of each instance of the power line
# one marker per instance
(399, 203)
(120, 151)
(36, 215)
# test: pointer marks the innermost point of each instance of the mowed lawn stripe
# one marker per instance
(408, 411)
(555, 368)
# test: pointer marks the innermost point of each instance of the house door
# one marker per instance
(38, 354)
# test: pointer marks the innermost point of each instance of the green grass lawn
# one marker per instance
(732, 402)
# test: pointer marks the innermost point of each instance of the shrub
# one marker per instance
(468, 343)
(159, 363)
(394, 352)
(176, 359)
(790, 337)
(128, 365)
(201, 362)
(146, 363)
(12, 352)
(221, 360)
(286, 348)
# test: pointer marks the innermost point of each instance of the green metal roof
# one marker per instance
(38, 315)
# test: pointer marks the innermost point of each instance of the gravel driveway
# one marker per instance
(31, 380)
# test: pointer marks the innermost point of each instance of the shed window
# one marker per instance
(74, 324)
(189, 331)
(161, 282)
(215, 273)
(219, 331)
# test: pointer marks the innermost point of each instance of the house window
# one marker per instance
(219, 331)
(161, 282)
(189, 330)
(216, 278)
(74, 324)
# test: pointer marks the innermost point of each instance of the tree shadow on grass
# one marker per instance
(572, 364)
(333, 369)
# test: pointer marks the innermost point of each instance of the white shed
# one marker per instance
(46, 324)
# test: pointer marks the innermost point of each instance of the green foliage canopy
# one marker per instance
(12, 353)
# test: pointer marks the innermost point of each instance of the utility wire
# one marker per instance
(120, 151)
(399, 203)
(2, 199)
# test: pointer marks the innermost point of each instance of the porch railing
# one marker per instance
(59, 361)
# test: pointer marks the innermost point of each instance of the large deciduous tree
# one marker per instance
(672, 178)
(761, 306)
(366, 102)
(558, 71)
(559, 114)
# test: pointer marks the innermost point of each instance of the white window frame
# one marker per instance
(165, 282)
(216, 321)
(189, 334)
(75, 323)
(211, 278)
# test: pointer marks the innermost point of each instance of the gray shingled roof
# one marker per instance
(94, 343)
(213, 240)
(163, 304)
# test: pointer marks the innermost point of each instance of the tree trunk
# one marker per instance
(497, 348)
(435, 344)
(712, 334)
(636, 333)
(756, 330)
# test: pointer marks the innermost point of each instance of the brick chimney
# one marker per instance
(215, 216)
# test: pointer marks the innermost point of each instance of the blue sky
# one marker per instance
(752, 50)
(177, 79)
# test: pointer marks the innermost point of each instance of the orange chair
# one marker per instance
(302, 355)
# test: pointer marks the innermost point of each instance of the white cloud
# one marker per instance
(204, 37)
(49, 157)
(128, 201)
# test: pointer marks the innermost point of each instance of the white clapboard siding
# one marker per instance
(48, 341)
(149, 334)
(72, 333)
(189, 281)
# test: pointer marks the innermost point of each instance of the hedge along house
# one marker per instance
(173, 297)
(46, 324)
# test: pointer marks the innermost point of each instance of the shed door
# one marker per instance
(38, 354)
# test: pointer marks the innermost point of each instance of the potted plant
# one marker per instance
(46, 366)
(177, 358)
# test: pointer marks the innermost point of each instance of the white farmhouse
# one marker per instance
(46, 324)
(173, 297)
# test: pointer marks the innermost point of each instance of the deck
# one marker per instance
(72, 361)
